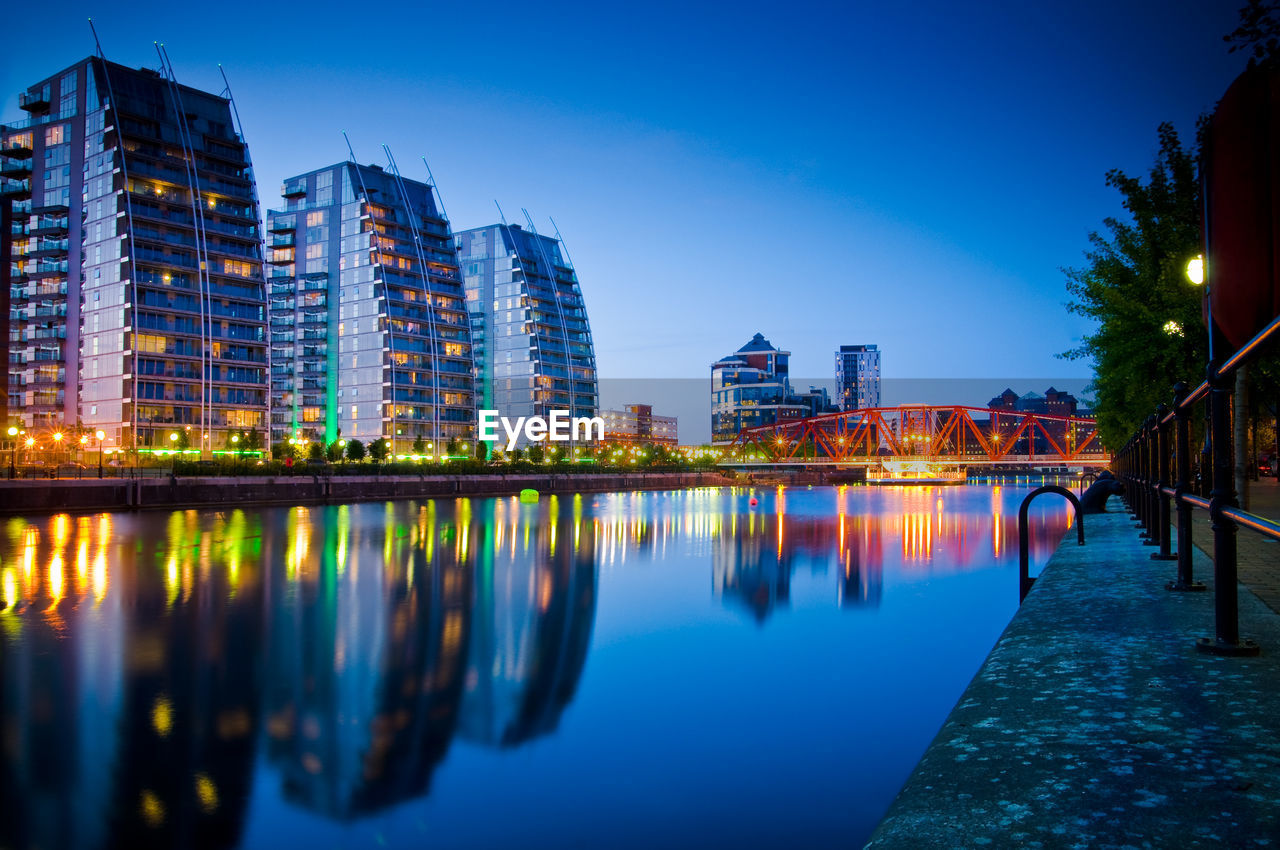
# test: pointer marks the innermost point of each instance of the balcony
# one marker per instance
(50, 247)
(296, 189)
(35, 100)
(15, 188)
(17, 147)
(50, 226)
(284, 240)
(15, 168)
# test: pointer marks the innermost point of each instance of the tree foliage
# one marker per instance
(1150, 332)
(355, 451)
(1259, 30)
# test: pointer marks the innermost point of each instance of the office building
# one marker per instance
(636, 424)
(533, 349)
(752, 387)
(132, 263)
(858, 377)
(369, 335)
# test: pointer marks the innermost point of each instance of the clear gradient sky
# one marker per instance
(912, 175)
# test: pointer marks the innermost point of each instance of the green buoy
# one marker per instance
(529, 496)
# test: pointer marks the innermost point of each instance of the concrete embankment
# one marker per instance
(1094, 722)
(22, 497)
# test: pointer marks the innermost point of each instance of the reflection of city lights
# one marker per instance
(162, 716)
(152, 809)
(206, 793)
(8, 586)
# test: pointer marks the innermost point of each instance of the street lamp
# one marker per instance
(101, 435)
(13, 449)
(1195, 269)
(173, 438)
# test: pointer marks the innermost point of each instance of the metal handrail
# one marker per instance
(1144, 466)
(1024, 542)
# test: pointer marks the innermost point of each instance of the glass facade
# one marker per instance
(137, 300)
(369, 331)
(533, 349)
(752, 387)
(858, 376)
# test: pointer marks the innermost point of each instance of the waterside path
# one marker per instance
(1095, 722)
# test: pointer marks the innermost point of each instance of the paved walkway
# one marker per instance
(1095, 723)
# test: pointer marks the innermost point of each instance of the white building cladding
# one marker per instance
(134, 262)
(369, 331)
(533, 348)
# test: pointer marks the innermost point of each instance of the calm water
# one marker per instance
(626, 670)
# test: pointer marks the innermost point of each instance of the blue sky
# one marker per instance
(912, 175)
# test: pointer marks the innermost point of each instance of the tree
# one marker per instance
(334, 451)
(537, 453)
(355, 450)
(1259, 30)
(1150, 332)
(419, 445)
(379, 449)
(454, 447)
(282, 450)
(315, 452)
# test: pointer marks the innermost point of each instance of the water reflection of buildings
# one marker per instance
(129, 685)
(368, 632)
(535, 607)
(144, 657)
(139, 664)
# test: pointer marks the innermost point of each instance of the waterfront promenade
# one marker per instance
(1094, 722)
(28, 497)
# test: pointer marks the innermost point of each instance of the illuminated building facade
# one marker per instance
(533, 349)
(858, 377)
(752, 387)
(369, 332)
(636, 424)
(132, 262)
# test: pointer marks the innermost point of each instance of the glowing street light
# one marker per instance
(101, 435)
(13, 449)
(1195, 269)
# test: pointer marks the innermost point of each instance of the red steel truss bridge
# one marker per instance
(933, 434)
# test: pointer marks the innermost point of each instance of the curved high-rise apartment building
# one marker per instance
(533, 349)
(369, 331)
(131, 264)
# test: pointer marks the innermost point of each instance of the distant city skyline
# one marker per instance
(905, 173)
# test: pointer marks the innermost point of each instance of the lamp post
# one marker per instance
(13, 449)
(101, 435)
(57, 446)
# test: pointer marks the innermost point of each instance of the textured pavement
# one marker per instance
(1095, 722)
(1257, 557)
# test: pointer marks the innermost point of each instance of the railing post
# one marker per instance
(1162, 481)
(1226, 640)
(1149, 527)
(1182, 453)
